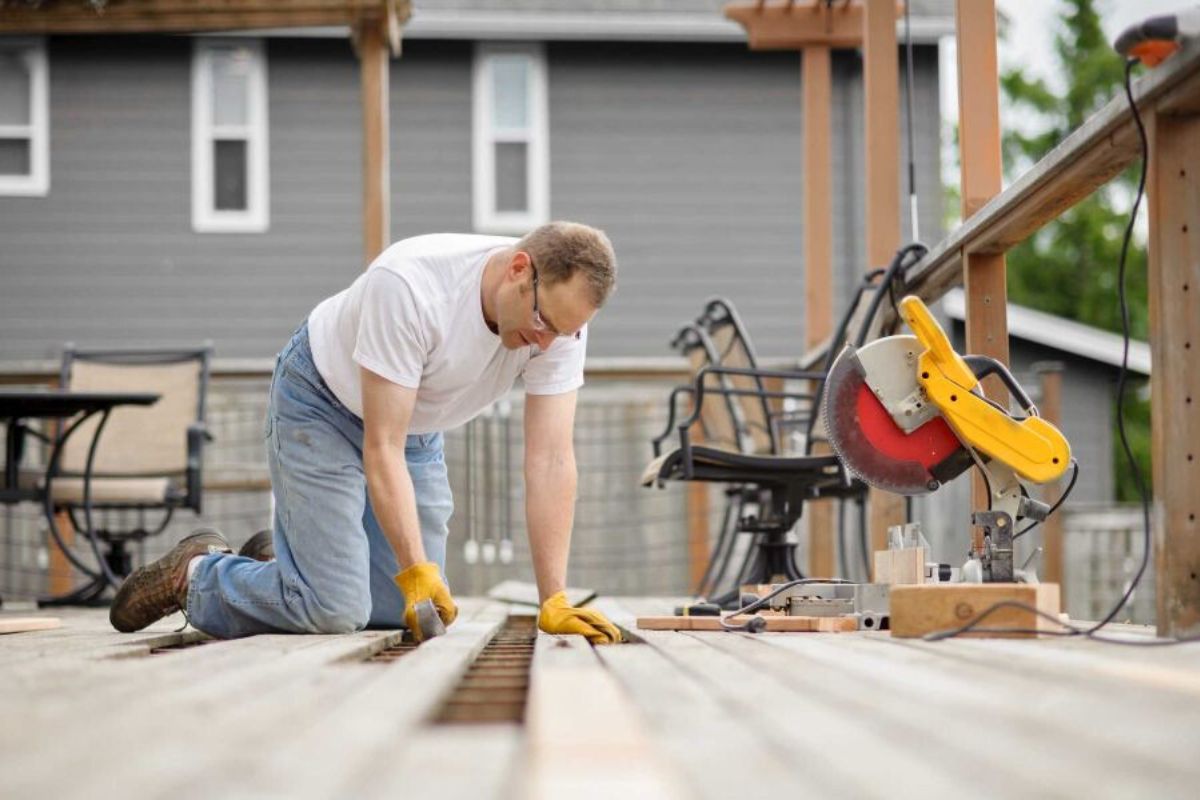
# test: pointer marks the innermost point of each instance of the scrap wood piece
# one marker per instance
(777, 624)
(918, 610)
(24, 624)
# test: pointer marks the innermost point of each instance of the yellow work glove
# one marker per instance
(559, 616)
(424, 582)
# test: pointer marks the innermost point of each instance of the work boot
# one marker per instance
(259, 547)
(160, 588)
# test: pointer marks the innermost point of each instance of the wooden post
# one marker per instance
(698, 510)
(882, 81)
(1052, 528)
(979, 137)
(372, 43)
(1173, 180)
(818, 264)
(60, 571)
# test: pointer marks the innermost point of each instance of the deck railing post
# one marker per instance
(979, 137)
(1174, 278)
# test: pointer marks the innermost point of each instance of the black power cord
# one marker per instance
(757, 624)
(1072, 630)
(1062, 499)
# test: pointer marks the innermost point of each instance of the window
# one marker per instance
(24, 118)
(511, 174)
(229, 136)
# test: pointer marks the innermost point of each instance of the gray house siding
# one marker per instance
(688, 154)
(109, 256)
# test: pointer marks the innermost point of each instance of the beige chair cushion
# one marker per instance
(137, 440)
(650, 473)
(129, 491)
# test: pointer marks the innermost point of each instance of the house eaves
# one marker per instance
(614, 20)
(1061, 334)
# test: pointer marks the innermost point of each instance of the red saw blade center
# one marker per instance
(928, 445)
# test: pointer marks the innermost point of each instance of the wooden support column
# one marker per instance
(1052, 529)
(1173, 180)
(979, 136)
(61, 572)
(818, 264)
(372, 41)
(698, 511)
(882, 112)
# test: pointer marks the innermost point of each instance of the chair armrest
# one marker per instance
(672, 413)
(760, 372)
(197, 435)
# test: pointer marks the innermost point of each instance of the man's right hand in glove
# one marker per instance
(424, 582)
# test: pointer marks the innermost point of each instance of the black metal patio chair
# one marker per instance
(148, 461)
(758, 468)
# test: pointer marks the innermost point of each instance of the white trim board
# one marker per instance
(206, 218)
(1066, 335)
(37, 182)
(577, 26)
(535, 135)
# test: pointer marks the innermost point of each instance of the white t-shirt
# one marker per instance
(415, 317)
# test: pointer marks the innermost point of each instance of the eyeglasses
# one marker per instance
(539, 324)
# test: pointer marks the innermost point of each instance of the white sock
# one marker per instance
(195, 562)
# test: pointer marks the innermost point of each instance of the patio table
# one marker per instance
(17, 406)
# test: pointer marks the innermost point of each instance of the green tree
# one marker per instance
(1070, 267)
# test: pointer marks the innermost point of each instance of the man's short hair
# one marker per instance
(560, 249)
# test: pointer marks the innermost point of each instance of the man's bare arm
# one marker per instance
(387, 410)
(550, 481)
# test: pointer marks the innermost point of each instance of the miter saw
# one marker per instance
(906, 414)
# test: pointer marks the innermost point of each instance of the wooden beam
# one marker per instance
(818, 263)
(60, 571)
(1173, 179)
(585, 736)
(1052, 529)
(373, 44)
(979, 137)
(174, 16)
(794, 26)
(699, 539)
(882, 111)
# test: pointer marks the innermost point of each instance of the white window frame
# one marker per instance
(536, 137)
(37, 182)
(206, 218)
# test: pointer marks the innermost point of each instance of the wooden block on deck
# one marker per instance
(777, 624)
(23, 624)
(900, 566)
(921, 609)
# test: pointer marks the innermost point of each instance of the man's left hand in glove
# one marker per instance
(559, 616)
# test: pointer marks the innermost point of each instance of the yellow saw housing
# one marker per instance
(1032, 447)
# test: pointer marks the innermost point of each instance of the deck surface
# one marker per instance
(89, 712)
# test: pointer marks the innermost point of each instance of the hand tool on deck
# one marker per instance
(428, 620)
(1154, 39)
(906, 414)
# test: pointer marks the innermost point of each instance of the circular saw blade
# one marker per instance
(869, 442)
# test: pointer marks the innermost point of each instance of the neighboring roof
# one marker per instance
(626, 20)
(1061, 334)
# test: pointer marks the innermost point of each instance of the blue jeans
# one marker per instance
(333, 567)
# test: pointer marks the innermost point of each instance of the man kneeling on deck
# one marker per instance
(429, 336)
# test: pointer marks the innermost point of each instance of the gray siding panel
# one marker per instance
(678, 153)
(689, 155)
(109, 257)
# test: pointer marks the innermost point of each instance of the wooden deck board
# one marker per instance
(678, 714)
